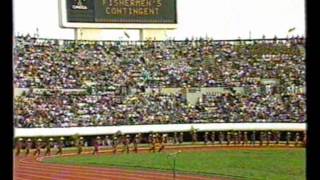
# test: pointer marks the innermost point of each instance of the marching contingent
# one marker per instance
(156, 142)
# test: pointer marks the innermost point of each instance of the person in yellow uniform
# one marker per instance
(135, 143)
(126, 144)
(162, 143)
(153, 144)
(114, 144)
(80, 145)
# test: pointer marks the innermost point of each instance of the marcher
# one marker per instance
(28, 146)
(60, 146)
(135, 143)
(19, 145)
(175, 138)
(48, 147)
(80, 145)
(162, 143)
(235, 138)
(180, 138)
(212, 137)
(297, 139)
(288, 138)
(96, 145)
(37, 152)
(305, 138)
(278, 136)
(268, 138)
(194, 136)
(261, 138)
(221, 137)
(206, 138)
(114, 144)
(245, 138)
(153, 144)
(253, 138)
(126, 144)
(228, 138)
(239, 137)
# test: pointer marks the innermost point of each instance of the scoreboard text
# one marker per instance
(122, 11)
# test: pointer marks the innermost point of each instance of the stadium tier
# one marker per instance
(63, 83)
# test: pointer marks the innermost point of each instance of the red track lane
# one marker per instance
(29, 168)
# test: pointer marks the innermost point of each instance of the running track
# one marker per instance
(30, 168)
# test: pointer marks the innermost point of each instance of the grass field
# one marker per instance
(273, 164)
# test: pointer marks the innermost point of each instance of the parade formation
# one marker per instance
(156, 142)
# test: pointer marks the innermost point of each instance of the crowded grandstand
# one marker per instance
(71, 83)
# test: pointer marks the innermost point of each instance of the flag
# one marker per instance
(126, 34)
(291, 30)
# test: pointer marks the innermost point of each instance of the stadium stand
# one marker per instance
(69, 83)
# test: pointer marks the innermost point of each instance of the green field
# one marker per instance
(273, 164)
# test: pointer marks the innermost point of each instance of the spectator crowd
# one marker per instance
(103, 69)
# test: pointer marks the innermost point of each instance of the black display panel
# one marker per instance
(122, 11)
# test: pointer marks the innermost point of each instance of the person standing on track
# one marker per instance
(19, 145)
(139, 139)
(106, 140)
(60, 146)
(221, 137)
(80, 145)
(245, 138)
(96, 146)
(153, 144)
(235, 138)
(28, 146)
(212, 137)
(162, 142)
(261, 138)
(37, 152)
(135, 143)
(268, 138)
(48, 147)
(288, 138)
(114, 144)
(165, 138)
(180, 138)
(239, 137)
(206, 139)
(126, 144)
(194, 136)
(228, 137)
(297, 138)
(175, 138)
(253, 138)
(150, 138)
(278, 136)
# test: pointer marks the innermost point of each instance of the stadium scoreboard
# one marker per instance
(154, 12)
